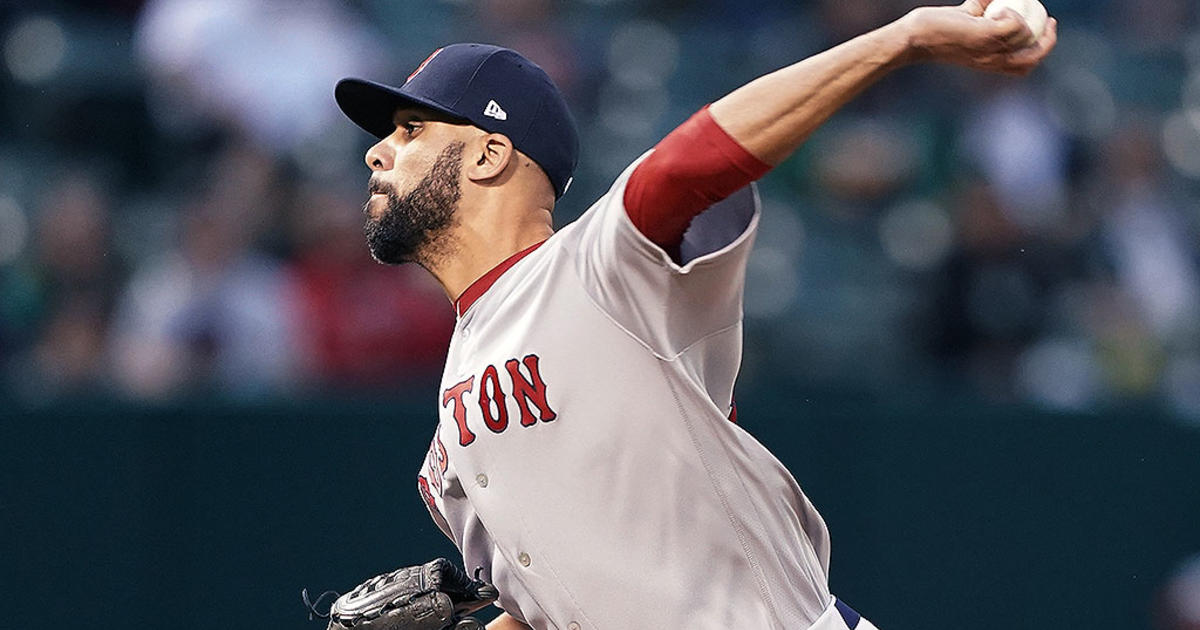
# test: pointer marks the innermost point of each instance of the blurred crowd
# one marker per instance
(179, 196)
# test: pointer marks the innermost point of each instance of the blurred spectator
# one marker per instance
(866, 160)
(74, 280)
(1011, 139)
(68, 355)
(1042, 232)
(1148, 236)
(991, 292)
(211, 314)
(359, 323)
(265, 67)
(1151, 24)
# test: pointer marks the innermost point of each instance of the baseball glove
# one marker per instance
(434, 596)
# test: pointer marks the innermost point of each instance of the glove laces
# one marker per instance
(312, 605)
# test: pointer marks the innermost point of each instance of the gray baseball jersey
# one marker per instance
(584, 457)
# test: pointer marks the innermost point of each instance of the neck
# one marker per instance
(483, 240)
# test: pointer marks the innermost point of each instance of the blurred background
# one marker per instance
(972, 316)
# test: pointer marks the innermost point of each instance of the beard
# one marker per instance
(413, 226)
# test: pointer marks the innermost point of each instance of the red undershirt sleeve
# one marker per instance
(695, 166)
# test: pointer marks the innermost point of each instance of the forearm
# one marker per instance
(760, 124)
(774, 114)
(506, 622)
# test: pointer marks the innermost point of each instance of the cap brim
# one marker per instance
(372, 105)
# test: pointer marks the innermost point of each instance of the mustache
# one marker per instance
(378, 186)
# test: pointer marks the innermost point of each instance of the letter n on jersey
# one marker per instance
(529, 393)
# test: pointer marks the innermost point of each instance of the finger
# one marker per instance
(1025, 64)
(467, 593)
(1001, 33)
(1051, 31)
(975, 7)
(450, 579)
(1034, 54)
(1009, 31)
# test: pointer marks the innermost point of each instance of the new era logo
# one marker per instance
(493, 110)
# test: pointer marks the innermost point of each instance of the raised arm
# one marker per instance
(741, 136)
(774, 114)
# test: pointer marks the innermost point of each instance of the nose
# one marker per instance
(381, 157)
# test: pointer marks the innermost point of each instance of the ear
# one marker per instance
(489, 157)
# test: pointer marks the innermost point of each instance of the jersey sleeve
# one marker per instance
(694, 167)
(668, 303)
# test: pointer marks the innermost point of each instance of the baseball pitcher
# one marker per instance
(585, 462)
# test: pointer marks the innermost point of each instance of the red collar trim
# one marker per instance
(485, 282)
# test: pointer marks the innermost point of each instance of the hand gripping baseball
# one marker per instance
(433, 596)
(963, 35)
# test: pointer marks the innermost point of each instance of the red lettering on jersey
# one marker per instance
(443, 461)
(531, 390)
(437, 463)
(427, 496)
(434, 481)
(499, 422)
(465, 436)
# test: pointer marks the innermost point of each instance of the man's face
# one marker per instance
(415, 188)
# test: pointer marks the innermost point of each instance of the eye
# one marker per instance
(410, 127)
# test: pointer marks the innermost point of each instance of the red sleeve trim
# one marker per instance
(695, 166)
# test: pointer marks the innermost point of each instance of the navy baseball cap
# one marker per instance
(494, 88)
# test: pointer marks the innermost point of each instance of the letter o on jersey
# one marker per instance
(499, 421)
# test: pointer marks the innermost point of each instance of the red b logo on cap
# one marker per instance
(422, 66)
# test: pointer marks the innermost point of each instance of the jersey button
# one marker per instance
(574, 625)
(482, 480)
(524, 559)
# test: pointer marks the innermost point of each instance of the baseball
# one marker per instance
(1031, 11)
